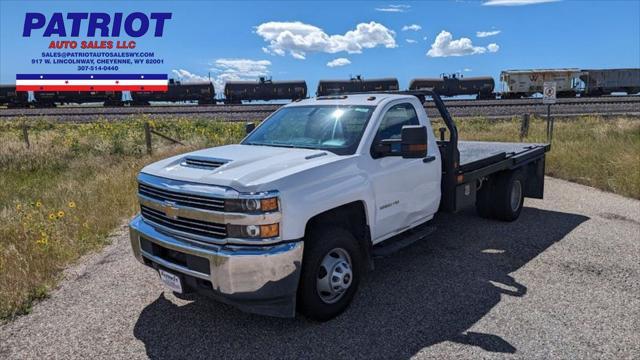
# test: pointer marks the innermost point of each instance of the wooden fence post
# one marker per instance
(25, 135)
(166, 137)
(524, 127)
(147, 136)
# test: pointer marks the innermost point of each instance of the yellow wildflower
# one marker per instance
(52, 216)
(60, 214)
(44, 238)
(72, 204)
(18, 207)
(38, 203)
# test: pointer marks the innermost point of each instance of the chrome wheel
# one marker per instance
(516, 195)
(335, 275)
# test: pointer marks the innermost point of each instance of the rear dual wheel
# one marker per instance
(502, 198)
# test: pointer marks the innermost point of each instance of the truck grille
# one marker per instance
(197, 227)
(181, 199)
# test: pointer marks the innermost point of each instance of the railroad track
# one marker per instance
(458, 107)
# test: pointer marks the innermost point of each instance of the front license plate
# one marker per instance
(172, 281)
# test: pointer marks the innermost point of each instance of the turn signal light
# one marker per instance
(269, 204)
(269, 231)
(417, 147)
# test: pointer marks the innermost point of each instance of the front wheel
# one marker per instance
(331, 270)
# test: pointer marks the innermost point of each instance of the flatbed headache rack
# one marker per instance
(461, 179)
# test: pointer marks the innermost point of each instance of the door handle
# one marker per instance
(428, 159)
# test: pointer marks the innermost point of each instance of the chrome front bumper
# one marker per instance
(261, 280)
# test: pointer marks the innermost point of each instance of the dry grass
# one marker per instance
(61, 197)
(603, 153)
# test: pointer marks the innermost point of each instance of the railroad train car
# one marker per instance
(456, 84)
(523, 83)
(606, 81)
(51, 98)
(202, 92)
(264, 89)
(356, 84)
(11, 98)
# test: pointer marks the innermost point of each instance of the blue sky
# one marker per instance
(242, 39)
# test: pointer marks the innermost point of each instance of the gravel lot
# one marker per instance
(561, 282)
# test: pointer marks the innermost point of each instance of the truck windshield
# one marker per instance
(333, 128)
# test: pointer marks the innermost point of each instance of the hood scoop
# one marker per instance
(201, 162)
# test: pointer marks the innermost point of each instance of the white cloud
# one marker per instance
(224, 70)
(515, 2)
(411, 41)
(338, 62)
(412, 27)
(298, 54)
(187, 76)
(444, 45)
(237, 69)
(493, 47)
(483, 34)
(424, 38)
(467, 69)
(399, 8)
(244, 67)
(298, 38)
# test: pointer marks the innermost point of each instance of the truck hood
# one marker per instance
(242, 167)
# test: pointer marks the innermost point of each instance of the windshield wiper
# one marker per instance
(292, 146)
(271, 144)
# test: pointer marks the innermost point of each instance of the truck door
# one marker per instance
(406, 191)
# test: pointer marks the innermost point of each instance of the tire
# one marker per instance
(484, 207)
(328, 246)
(509, 196)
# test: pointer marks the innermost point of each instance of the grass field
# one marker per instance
(62, 196)
(603, 153)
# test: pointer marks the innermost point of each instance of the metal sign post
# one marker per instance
(549, 98)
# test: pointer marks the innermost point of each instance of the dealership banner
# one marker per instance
(72, 50)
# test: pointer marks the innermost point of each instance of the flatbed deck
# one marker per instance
(475, 155)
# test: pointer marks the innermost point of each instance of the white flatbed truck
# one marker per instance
(291, 218)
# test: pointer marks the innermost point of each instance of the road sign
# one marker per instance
(549, 93)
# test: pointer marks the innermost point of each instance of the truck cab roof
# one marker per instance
(369, 99)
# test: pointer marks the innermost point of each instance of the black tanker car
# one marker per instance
(11, 98)
(356, 84)
(202, 92)
(235, 92)
(454, 85)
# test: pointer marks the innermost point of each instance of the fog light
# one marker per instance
(253, 231)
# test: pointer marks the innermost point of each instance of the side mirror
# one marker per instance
(414, 141)
(248, 127)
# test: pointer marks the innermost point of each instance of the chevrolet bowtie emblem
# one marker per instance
(170, 210)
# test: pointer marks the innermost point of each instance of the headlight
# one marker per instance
(253, 231)
(251, 205)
